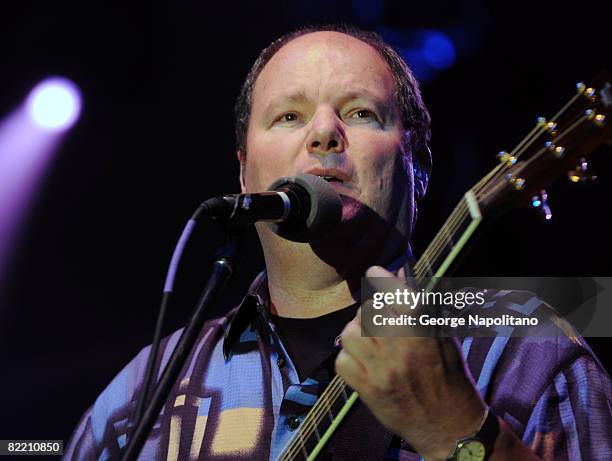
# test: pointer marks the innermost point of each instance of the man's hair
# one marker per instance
(414, 114)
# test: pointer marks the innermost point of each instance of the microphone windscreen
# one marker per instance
(325, 209)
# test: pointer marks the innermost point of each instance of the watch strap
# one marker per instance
(487, 434)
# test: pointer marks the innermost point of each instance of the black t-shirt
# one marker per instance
(310, 341)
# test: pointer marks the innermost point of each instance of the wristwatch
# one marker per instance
(479, 445)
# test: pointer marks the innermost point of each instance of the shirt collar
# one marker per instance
(257, 300)
(254, 304)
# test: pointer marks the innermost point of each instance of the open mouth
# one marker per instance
(331, 175)
(331, 178)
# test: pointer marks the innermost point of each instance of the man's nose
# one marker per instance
(327, 135)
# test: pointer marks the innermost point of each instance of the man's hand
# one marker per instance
(417, 387)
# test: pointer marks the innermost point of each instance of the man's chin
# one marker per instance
(350, 233)
(353, 209)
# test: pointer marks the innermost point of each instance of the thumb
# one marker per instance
(377, 271)
(380, 279)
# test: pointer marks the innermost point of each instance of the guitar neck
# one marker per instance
(450, 239)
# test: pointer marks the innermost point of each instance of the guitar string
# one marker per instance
(438, 246)
(554, 119)
(337, 382)
(339, 386)
(451, 225)
(451, 221)
(425, 261)
(317, 412)
(580, 121)
(495, 171)
(433, 246)
(566, 131)
(293, 448)
(324, 408)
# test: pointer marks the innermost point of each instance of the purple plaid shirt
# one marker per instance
(239, 396)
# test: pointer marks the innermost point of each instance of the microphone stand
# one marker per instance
(223, 269)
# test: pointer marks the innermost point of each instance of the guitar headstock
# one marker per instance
(555, 148)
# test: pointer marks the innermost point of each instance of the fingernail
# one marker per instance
(377, 271)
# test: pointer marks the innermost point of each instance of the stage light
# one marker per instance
(29, 138)
(438, 50)
(54, 104)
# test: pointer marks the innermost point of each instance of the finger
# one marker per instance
(354, 331)
(363, 349)
(380, 279)
(351, 370)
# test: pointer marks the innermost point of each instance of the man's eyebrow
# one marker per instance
(362, 93)
(300, 97)
(297, 97)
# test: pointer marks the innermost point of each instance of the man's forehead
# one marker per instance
(329, 55)
(314, 45)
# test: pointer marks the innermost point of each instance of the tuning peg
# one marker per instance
(597, 119)
(582, 173)
(515, 181)
(506, 158)
(558, 151)
(540, 202)
(588, 92)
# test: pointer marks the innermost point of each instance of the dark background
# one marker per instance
(156, 137)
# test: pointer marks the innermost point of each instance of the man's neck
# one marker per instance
(303, 285)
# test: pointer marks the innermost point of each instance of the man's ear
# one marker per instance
(242, 159)
(421, 166)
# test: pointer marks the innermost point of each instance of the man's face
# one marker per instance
(324, 104)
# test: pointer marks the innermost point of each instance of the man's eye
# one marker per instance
(364, 114)
(288, 117)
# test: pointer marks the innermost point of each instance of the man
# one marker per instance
(340, 103)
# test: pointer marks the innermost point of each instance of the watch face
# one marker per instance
(472, 450)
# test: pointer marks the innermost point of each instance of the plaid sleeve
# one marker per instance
(101, 431)
(572, 420)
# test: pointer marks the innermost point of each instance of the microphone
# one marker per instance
(299, 208)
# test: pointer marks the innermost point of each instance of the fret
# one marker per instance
(435, 259)
(344, 395)
(303, 446)
(449, 239)
(328, 409)
(316, 432)
(430, 270)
